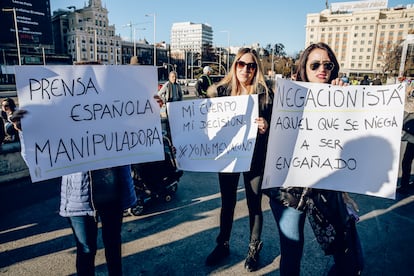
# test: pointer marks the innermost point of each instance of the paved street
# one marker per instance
(174, 238)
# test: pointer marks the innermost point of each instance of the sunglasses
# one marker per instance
(242, 64)
(326, 65)
(5, 105)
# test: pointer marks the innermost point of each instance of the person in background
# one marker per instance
(134, 60)
(344, 78)
(245, 78)
(317, 64)
(171, 91)
(204, 82)
(8, 106)
(88, 197)
(365, 81)
(2, 131)
(377, 81)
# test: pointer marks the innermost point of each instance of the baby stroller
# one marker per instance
(155, 180)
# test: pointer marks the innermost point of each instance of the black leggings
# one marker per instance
(228, 189)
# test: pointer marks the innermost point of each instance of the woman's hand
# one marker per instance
(159, 100)
(262, 125)
(349, 201)
(17, 117)
(339, 82)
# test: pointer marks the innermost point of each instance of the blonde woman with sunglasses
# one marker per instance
(245, 78)
(317, 64)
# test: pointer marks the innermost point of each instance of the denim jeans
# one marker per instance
(290, 223)
(85, 230)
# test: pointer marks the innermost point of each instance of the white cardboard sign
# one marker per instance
(344, 138)
(87, 117)
(214, 135)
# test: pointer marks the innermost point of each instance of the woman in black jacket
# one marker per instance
(245, 78)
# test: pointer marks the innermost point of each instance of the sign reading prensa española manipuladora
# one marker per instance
(344, 138)
(87, 117)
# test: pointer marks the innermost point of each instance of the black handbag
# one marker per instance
(408, 126)
(335, 230)
(105, 187)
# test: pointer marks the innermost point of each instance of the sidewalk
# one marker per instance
(174, 238)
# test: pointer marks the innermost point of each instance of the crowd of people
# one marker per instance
(82, 206)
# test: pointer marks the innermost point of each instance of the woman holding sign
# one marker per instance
(290, 205)
(245, 78)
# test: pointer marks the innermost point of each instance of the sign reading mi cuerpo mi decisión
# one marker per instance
(344, 138)
(87, 117)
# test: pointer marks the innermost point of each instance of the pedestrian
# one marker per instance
(377, 81)
(317, 64)
(171, 90)
(91, 196)
(365, 81)
(204, 82)
(2, 131)
(8, 106)
(245, 78)
(344, 78)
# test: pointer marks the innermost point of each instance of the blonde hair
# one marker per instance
(231, 80)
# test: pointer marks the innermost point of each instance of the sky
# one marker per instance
(237, 23)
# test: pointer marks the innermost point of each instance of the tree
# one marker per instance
(278, 49)
(390, 56)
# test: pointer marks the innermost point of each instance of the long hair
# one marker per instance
(11, 103)
(232, 82)
(301, 71)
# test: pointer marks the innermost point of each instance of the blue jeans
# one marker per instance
(290, 223)
(85, 230)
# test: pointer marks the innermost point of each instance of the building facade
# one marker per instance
(190, 37)
(361, 33)
(85, 34)
(31, 42)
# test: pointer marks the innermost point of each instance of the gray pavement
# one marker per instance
(174, 238)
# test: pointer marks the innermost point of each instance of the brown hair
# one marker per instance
(301, 71)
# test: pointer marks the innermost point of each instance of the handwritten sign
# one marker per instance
(338, 138)
(214, 135)
(87, 117)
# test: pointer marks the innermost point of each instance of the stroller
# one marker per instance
(155, 180)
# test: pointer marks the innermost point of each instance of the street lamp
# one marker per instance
(135, 40)
(16, 31)
(155, 47)
(130, 24)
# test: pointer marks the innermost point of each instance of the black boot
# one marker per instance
(221, 251)
(252, 259)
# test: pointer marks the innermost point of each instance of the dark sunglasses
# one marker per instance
(5, 105)
(326, 65)
(242, 64)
